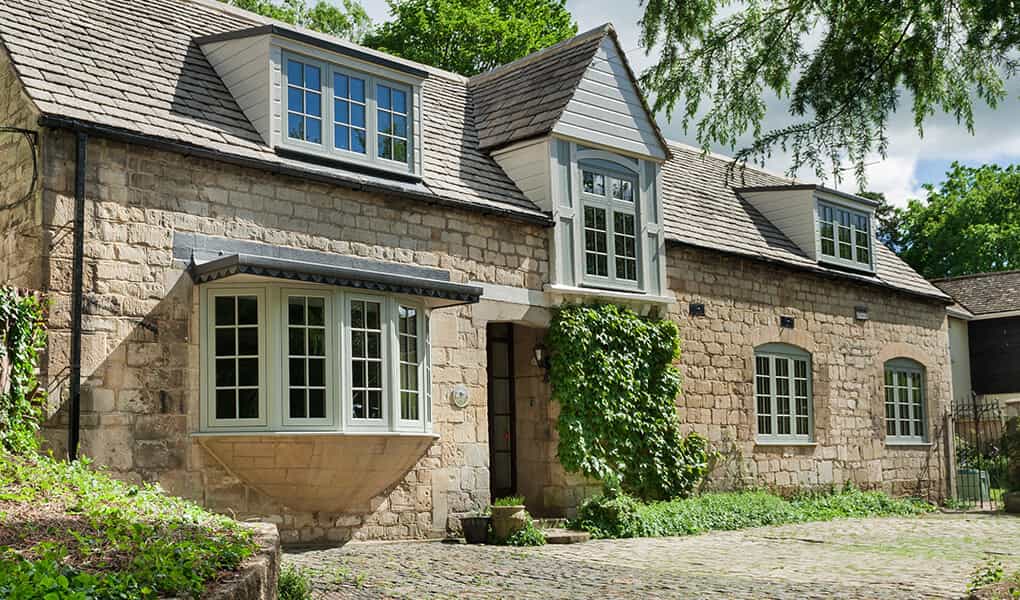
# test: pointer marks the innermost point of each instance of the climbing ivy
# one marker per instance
(612, 373)
(22, 338)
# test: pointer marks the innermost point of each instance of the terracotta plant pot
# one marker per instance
(508, 520)
(476, 529)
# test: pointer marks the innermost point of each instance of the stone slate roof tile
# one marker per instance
(984, 293)
(702, 209)
(132, 65)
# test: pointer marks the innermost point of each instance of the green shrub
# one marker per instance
(22, 338)
(619, 516)
(111, 539)
(509, 501)
(612, 373)
(529, 536)
(293, 584)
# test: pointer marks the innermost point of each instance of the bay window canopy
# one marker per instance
(438, 293)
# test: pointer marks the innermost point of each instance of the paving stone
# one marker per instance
(854, 559)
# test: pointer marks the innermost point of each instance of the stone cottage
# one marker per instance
(298, 279)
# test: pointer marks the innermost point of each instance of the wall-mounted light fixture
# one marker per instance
(541, 355)
(861, 313)
(696, 309)
(786, 322)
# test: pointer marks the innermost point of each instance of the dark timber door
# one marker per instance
(502, 453)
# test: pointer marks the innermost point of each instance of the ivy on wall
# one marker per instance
(22, 338)
(612, 373)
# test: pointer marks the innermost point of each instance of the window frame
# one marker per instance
(208, 379)
(610, 205)
(274, 364)
(792, 354)
(854, 215)
(327, 147)
(330, 374)
(909, 367)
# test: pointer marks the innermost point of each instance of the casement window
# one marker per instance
(844, 236)
(278, 357)
(608, 201)
(346, 114)
(905, 410)
(782, 387)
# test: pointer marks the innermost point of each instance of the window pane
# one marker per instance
(316, 372)
(296, 370)
(225, 342)
(295, 100)
(399, 99)
(340, 86)
(313, 104)
(366, 359)
(385, 123)
(296, 127)
(357, 115)
(341, 111)
(400, 150)
(247, 310)
(248, 404)
(248, 372)
(357, 89)
(226, 372)
(317, 341)
(247, 341)
(297, 404)
(226, 404)
(374, 405)
(358, 141)
(295, 73)
(383, 96)
(224, 310)
(313, 130)
(317, 404)
(385, 147)
(342, 137)
(359, 410)
(312, 77)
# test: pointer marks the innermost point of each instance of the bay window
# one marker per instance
(782, 386)
(279, 357)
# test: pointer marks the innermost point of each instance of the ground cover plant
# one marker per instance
(68, 531)
(617, 515)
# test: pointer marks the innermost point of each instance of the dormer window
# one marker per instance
(610, 230)
(844, 236)
(346, 114)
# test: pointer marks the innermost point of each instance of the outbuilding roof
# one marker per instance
(131, 69)
(985, 294)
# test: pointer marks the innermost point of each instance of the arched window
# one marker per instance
(905, 409)
(782, 387)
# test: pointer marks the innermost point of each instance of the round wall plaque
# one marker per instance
(459, 395)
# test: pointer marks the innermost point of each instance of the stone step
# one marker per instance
(550, 523)
(565, 536)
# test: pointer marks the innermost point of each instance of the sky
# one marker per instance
(911, 160)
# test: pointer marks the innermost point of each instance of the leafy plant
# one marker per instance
(620, 516)
(22, 338)
(509, 501)
(349, 21)
(529, 536)
(471, 36)
(612, 373)
(293, 584)
(114, 540)
(987, 574)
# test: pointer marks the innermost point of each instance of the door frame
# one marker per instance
(509, 339)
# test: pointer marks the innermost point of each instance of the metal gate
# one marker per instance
(981, 454)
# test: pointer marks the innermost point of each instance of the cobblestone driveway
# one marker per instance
(929, 557)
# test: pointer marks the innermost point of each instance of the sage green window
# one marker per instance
(782, 387)
(410, 363)
(608, 200)
(905, 407)
(236, 336)
(844, 236)
(306, 365)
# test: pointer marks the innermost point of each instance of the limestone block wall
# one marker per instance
(141, 356)
(743, 302)
(20, 207)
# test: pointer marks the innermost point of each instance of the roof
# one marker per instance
(525, 99)
(132, 66)
(984, 293)
(812, 187)
(132, 70)
(703, 208)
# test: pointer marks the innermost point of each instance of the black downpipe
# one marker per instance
(77, 294)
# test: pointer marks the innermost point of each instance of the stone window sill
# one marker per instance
(314, 433)
(896, 444)
(780, 443)
(593, 292)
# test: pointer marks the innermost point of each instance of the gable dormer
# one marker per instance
(829, 226)
(314, 97)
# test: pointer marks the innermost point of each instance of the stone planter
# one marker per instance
(476, 529)
(508, 520)
(1011, 502)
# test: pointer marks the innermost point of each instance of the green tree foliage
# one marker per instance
(612, 373)
(471, 36)
(970, 223)
(888, 227)
(22, 338)
(348, 21)
(843, 66)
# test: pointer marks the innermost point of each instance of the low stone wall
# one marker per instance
(256, 579)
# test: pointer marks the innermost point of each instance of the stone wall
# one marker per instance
(20, 210)
(141, 356)
(743, 302)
